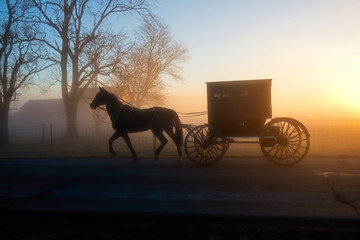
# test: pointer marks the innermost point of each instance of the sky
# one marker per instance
(311, 50)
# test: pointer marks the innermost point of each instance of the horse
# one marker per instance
(127, 119)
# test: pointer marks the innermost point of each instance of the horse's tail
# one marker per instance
(178, 130)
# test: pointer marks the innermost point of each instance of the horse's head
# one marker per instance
(100, 98)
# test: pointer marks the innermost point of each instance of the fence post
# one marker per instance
(43, 132)
(154, 143)
(51, 138)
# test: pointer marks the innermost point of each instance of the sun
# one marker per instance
(346, 96)
(352, 94)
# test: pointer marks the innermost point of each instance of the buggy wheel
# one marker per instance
(204, 146)
(284, 141)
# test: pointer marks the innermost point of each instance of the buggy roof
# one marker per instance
(235, 82)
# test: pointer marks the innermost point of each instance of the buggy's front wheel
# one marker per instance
(205, 146)
(284, 141)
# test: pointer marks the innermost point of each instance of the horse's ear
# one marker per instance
(101, 89)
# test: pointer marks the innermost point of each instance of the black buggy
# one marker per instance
(239, 110)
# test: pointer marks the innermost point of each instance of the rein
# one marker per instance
(187, 114)
(192, 114)
(102, 108)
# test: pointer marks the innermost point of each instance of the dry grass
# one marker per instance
(328, 138)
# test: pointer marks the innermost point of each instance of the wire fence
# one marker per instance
(50, 140)
(328, 138)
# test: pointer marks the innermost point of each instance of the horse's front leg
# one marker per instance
(128, 143)
(115, 136)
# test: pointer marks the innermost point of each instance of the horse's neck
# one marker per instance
(113, 107)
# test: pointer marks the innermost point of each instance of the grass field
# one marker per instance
(328, 138)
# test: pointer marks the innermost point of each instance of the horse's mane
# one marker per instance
(118, 101)
(113, 98)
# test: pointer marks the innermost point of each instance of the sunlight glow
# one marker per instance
(345, 86)
(348, 96)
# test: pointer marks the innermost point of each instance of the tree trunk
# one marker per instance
(71, 119)
(4, 126)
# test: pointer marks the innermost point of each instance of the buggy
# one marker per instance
(241, 110)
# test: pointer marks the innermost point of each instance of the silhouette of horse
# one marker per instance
(126, 119)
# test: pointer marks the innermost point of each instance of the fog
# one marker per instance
(30, 132)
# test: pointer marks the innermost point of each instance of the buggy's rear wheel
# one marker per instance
(204, 146)
(285, 141)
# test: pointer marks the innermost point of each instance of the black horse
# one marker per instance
(126, 119)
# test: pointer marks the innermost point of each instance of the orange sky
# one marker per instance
(311, 50)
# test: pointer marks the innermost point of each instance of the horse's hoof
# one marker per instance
(156, 158)
(179, 160)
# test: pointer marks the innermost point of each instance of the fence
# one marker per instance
(328, 138)
(50, 140)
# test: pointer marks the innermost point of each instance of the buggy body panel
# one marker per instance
(239, 108)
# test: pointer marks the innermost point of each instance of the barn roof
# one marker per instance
(35, 112)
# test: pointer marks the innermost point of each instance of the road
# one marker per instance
(315, 188)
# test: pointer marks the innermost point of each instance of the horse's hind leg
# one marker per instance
(111, 140)
(158, 133)
(178, 145)
(128, 143)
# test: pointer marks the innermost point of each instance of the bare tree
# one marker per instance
(77, 33)
(20, 58)
(154, 55)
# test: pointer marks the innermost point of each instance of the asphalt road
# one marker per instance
(248, 187)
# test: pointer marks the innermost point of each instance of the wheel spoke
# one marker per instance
(291, 154)
(194, 151)
(286, 132)
(294, 150)
(290, 136)
(277, 150)
(216, 150)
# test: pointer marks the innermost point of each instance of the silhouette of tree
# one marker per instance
(154, 54)
(82, 43)
(20, 58)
